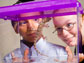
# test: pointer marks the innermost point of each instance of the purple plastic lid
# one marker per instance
(11, 12)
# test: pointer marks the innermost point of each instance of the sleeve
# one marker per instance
(8, 58)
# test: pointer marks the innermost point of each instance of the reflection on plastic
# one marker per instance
(45, 60)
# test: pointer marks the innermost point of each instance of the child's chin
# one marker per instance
(72, 44)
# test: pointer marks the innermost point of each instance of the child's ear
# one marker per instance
(16, 28)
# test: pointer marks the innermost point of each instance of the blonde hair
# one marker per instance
(82, 29)
(81, 19)
(65, 10)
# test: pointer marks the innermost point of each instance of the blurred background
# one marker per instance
(9, 40)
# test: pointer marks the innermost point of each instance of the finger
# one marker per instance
(13, 57)
(81, 57)
(26, 52)
(70, 55)
(69, 52)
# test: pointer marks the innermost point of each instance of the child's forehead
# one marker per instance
(30, 14)
(63, 20)
(65, 10)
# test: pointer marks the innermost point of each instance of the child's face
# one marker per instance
(28, 28)
(66, 27)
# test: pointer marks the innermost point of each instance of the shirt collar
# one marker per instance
(39, 45)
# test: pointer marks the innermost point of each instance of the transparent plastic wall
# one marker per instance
(46, 33)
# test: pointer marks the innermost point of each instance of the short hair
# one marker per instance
(18, 2)
(22, 1)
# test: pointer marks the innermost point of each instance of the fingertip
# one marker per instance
(26, 52)
(12, 54)
(67, 48)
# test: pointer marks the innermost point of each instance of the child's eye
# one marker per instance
(21, 23)
(36, 19)
(70, 25)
